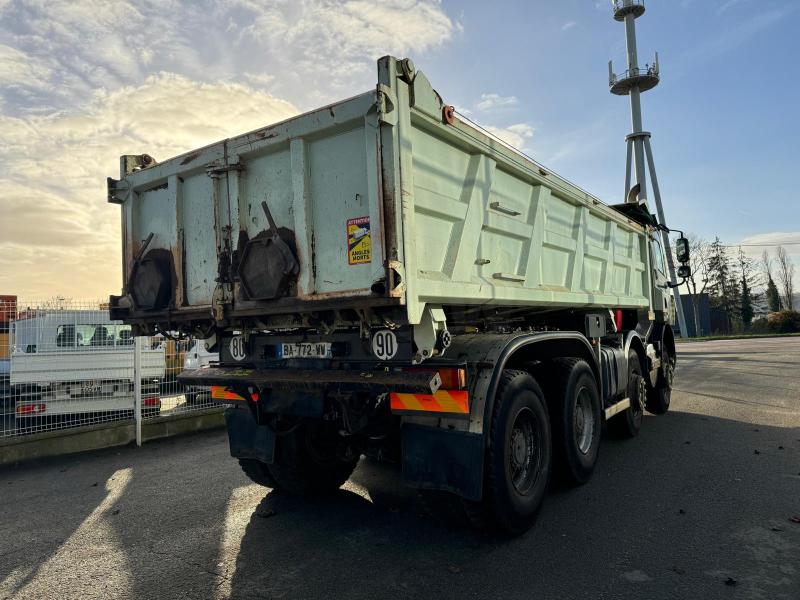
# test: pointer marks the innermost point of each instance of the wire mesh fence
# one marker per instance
(65, 364)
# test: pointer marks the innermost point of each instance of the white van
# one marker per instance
(74, 362)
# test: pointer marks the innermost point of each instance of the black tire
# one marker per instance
(310, 460)
(575, 418)
(519, 439)
(628, 423)
(658, 397)
(257, 471)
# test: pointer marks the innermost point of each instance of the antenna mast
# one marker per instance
(632, 82)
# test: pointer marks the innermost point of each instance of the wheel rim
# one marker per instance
(524, 451)
(669, 372)
(583, 421)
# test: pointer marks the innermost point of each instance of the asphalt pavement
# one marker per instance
(698, 506)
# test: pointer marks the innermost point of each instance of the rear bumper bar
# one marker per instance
(316, 379)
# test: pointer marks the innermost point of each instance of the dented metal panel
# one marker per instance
(484, 224)
(387, 197)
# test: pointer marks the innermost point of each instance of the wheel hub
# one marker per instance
(641, 392)
(669, 373)
(524, 451)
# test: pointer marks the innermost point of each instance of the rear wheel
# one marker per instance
(576, 419)
(658, 397)
(518, 460)
(629, 422)
(257, 471)
(311, 460)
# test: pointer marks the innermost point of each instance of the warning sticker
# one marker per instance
(359, 241)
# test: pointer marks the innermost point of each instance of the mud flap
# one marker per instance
(248, 439)
(443, 459)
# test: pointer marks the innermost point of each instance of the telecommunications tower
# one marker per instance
(632, 82)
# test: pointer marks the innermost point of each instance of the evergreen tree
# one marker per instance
(773, 297)
(724, 288)
(749, 280)
(718, 274)
(746, 304)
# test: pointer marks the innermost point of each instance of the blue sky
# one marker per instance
(83, 82)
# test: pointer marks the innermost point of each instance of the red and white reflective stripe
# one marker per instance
(455, 402)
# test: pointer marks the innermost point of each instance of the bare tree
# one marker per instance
(786, 277)
(697, 282)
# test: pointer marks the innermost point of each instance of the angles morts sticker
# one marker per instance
(359, 241)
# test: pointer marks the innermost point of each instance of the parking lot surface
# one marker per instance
(698, 506)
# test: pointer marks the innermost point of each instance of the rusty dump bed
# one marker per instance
(386, 202)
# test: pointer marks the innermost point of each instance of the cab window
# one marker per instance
(65, 336)
(658, 256)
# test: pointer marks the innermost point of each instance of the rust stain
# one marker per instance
(189, 158)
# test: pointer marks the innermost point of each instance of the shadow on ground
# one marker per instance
(693, 501)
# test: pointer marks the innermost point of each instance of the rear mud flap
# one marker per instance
(443, 459)
(246, 438)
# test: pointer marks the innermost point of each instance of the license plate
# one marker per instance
(90, 387)
(305, 350)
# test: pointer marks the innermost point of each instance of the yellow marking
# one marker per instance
(447, 403)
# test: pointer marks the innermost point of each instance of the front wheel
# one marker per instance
(658, 397)
(629, 422)
(519, 457)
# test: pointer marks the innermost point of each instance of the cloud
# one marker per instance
(315, 49)
(568, 25)
(82, 82)
(515, 135)
(493, 101)
(773, 237)
(56, 230)
(789, 239)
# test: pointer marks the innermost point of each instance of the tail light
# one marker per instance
(30, 409)
(453, 378)
(151, 401)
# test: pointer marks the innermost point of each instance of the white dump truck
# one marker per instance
(386, 279)
(76, 364)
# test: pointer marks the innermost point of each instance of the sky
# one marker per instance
(82, 83)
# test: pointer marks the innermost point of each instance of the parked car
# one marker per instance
(198, 357)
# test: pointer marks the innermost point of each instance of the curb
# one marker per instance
(106, 435)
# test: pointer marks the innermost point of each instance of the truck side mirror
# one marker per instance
(684, 271)
(682, 249)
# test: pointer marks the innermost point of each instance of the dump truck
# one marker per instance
(383, 278)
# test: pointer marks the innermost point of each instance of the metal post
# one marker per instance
(665, 238)
(137, 387)
(633, 83)
(628, 171)
(636, 106)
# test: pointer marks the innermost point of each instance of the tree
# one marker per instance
(786, 277)
(774, 303)
(723, 288)
(697, 282)
(748, 279)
